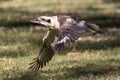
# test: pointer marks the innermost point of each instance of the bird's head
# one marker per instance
(51, 21)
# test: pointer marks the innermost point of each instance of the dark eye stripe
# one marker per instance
(46, 20)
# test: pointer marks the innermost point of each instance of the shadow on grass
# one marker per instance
(14, 53)
(66, 73)
(111, 1)
(4, 0)
(98, 45)
(89, 45)
(105, 20)
(88, 71)
(21, 18)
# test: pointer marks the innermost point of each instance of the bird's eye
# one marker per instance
(48, 20)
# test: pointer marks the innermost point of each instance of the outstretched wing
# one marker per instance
(45, 55)
(68, 34)
(46, 51)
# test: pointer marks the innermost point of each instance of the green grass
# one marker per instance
(99, 55)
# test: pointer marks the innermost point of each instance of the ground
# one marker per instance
(97, 57)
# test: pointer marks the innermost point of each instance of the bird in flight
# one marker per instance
(63, 30)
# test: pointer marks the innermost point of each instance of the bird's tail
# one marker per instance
(93, 28)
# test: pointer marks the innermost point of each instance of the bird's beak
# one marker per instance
(35, 21)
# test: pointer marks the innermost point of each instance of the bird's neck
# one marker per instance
(50, 35)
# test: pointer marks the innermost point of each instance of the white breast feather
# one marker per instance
(63, 40)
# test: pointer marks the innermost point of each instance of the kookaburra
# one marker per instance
(63, 30)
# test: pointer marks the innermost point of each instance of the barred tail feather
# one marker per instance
(93, 28)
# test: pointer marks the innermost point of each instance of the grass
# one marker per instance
(99, 55)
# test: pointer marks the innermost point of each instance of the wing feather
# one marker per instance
(46, 52)
(72, 32)
(45, 55)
